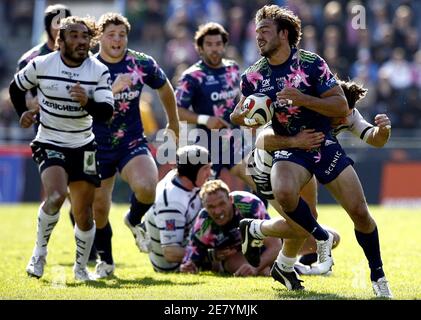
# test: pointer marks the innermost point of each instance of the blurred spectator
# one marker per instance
(309, 41)
(397, 70)
(383, 56)
(180, 49)
(7, 115)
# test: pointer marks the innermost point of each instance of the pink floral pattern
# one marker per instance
(208, 238)
(198, 75)
(254, 77)
(325, 70)
(137, 74)
(231, 76)
(282, 118)
(297, 77)
(293, 110)
(219, 111)
(317, 157)
(123, 106)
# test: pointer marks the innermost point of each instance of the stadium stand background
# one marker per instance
(385, 57)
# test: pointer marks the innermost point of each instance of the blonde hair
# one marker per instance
(213, 186)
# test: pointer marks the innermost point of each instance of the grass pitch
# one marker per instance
(134, 278)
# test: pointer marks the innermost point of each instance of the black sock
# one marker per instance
(137, 210)
(309, 258)
(302, 215)
(371, 247)
(103, 243)
(264, 200)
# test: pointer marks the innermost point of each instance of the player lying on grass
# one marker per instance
(215, 242)
(169, 220)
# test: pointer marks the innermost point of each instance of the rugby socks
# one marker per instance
(46, 224)
(302, 215)
(309, 259)
(103, 243)
(371, 247)
(255, 230)
(84, 241)
(285, 263)
(137, 210)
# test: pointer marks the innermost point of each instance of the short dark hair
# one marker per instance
(113, 18)
(354, 92)
(284, 19)
(210, 28)
(54, 11)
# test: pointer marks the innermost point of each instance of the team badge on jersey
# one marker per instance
(170, 225)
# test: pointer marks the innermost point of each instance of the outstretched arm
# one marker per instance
(381, 133)
(273, 246)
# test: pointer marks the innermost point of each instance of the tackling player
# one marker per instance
(177, 204)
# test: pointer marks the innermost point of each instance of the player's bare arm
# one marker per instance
(122, 82)
(173, 253)
(166, 94)
(210, 122)
(381, 133)
(332, 103)
(307, 139)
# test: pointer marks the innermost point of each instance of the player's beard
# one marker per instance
(73, 55)
(213, 60)
(269, 49)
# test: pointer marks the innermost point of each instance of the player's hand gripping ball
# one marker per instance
(260, 109)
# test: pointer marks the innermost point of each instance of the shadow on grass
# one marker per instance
(282, 293)
(115, 282)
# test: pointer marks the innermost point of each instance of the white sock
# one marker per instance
(255, 229)
(84, 242)
(46, 224)
(285, 263)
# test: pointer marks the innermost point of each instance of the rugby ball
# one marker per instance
(259, 108)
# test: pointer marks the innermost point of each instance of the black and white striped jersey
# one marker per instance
(63, 122)
(170, 219)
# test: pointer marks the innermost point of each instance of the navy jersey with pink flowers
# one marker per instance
(303, 70)
(206, 234)
(125, 129)
(210, 91)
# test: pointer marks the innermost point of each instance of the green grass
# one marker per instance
(135, 279)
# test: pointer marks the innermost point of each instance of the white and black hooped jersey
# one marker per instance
(63, 122)
(170, 219)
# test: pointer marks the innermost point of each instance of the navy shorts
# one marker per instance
(115, 159)
(79, 163)
(225, 151)
(326, 163)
